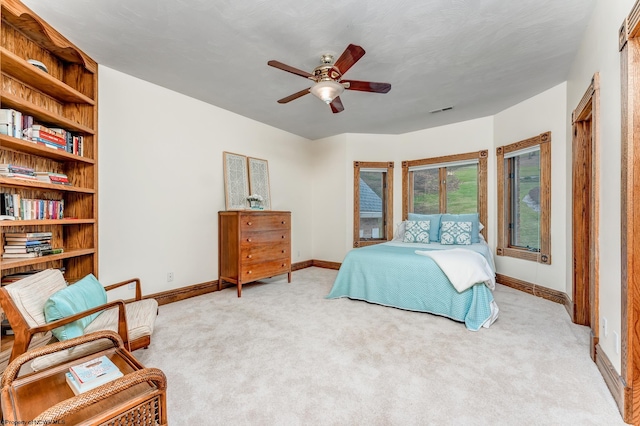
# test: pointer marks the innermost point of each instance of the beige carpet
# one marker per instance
(284, 355)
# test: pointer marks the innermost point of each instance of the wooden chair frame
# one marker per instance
(23, 333)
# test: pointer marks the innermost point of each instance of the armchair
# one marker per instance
(24, 301)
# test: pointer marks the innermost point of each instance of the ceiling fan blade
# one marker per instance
(294, 96)
(350, 56)
(336, 105)
(367, 86)
(290, 69)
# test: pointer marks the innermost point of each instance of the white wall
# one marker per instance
(161, 181)
(333, 174)
(599, 53)
(542, 113)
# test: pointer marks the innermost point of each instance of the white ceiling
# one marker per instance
(479, 56)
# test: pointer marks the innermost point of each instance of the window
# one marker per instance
(372, 203)
(451, 184)
(524, 199)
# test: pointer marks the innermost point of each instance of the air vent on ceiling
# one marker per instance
(441, 110)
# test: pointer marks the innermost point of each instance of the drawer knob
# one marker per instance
(249, 256)
(249, 223)
(284, 251)
(249, 239)
(284, 264)
(283, 236)
(283, 222)
(248, 272)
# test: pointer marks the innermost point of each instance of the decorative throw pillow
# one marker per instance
(416, 231)
(85, 294)
(470, 217)
(455, 232)
(434, 233)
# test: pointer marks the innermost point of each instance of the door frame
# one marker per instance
(585, 124)
(629, 46)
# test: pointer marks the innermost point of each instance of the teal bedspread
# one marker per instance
(393, 275)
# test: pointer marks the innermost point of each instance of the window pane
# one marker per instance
(462, 189)
(426, 188)
(371, 204)
(525, 201)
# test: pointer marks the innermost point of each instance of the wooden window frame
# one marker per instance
(407, 190)
(504, 247)
(387, 202)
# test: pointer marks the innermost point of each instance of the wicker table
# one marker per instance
(44, 397)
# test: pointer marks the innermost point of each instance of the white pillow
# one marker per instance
(399, 234)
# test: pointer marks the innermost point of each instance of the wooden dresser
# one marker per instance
(252, 245)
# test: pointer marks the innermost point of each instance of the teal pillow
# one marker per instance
(78, 297)
(416, 231)
(474, 218)
(434, 230)
(458, 233)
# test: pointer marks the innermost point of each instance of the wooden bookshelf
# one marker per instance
(66, 97)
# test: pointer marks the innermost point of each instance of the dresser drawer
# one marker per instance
(257, 237)
(264, 222)
(260, 252)
(265, 270)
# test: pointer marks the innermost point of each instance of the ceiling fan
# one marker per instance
(327, 76)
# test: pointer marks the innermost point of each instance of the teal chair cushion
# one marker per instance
(78, 297)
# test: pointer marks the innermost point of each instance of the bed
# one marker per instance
(408, 276)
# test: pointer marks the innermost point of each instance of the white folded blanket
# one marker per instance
(464, 268)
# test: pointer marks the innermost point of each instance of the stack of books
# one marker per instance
(47, 136)
(11, 122)
(28, 244)
(10, 204)
(91, 374)
(17, 172)
(54, 137)
(51, 177)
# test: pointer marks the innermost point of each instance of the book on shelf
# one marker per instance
(51, 130)
(16, 171)
(45, 136)
(18, 176)
(28, 234)
(51, 177)
(32, 254)
(11, 122)
(95, 369)
(47, 143)
(27, 249)
(23, 244)
(15, 168)
(10, 204)
(27, 121)
(20, 255)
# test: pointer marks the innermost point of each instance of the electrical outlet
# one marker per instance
(605, 328)
(615, 334)
(169, 277)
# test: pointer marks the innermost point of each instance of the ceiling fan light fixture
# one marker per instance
(327, 90)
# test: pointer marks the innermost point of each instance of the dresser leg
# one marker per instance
(289, 276)
(239, 289)
(219, 283)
